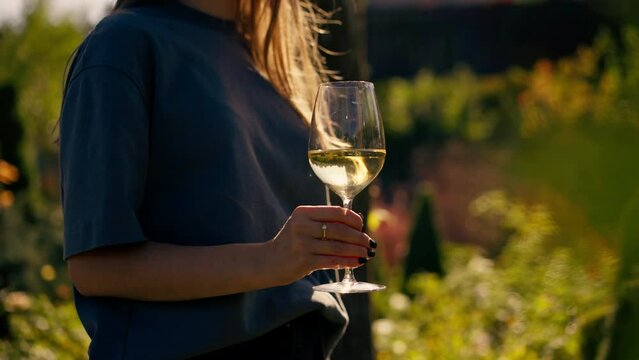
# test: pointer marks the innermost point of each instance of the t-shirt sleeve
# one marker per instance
(103, 159)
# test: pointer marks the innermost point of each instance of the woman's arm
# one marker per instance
(166, 272)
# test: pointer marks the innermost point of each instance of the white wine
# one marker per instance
(347, 172)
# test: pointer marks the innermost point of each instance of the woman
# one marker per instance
(183, 164)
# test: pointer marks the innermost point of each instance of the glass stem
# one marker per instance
(349, 277)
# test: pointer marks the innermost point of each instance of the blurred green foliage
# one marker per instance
(40, 329)
(595, 87)
(424, 251)
(40, 323)
(623, 341)
(33, 57)
(568, 131)
(530, 302)
(568, 128)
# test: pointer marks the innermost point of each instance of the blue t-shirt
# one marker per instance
(169, 134)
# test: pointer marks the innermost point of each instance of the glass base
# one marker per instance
(347, 287)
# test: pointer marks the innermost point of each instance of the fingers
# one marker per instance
(334, 231)
(336, 262)
(341, 232)
(339, 244)
(330, 214)
(338, 248)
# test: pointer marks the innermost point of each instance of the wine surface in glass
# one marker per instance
(347, 171)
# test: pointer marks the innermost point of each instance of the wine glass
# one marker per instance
(346, 151)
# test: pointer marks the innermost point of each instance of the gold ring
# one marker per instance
(324, 227)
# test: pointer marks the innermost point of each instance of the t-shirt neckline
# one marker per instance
(193, 15)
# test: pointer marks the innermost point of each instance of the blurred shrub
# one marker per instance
(580, 122)
(40, 329)
(31, 249)
(33, 56)
(623, 340)
(438, 108)
(530, 302)
(598, 85)
(566, 132)
(425, 241)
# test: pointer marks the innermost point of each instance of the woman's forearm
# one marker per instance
(314, 237)
(164, 272)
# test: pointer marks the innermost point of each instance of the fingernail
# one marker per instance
(362, 260)
(371, 253)
(361, 215)
(372, 243)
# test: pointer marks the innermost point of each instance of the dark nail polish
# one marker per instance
(372, 243)
(362, 260)
(371, 253)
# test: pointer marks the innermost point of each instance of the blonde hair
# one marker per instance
(283, 39)
(282, 36)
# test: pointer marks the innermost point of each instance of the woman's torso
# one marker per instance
(226, 164)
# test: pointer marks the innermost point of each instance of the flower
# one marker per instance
(8, 173)
(6, 199)
(17, 301)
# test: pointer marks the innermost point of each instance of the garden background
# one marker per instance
(508, 209)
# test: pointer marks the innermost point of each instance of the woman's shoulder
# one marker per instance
(121, 33)
(132, 23)
(125, 40)
(121, 23)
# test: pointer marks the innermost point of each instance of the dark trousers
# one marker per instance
(298, 339)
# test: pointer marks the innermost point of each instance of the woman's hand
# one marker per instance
(301, 248)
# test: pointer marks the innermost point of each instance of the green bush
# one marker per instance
(37, 318)
(565, 133)
(598, 85)
(33, 57)
(532, 301)
(40, 329)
